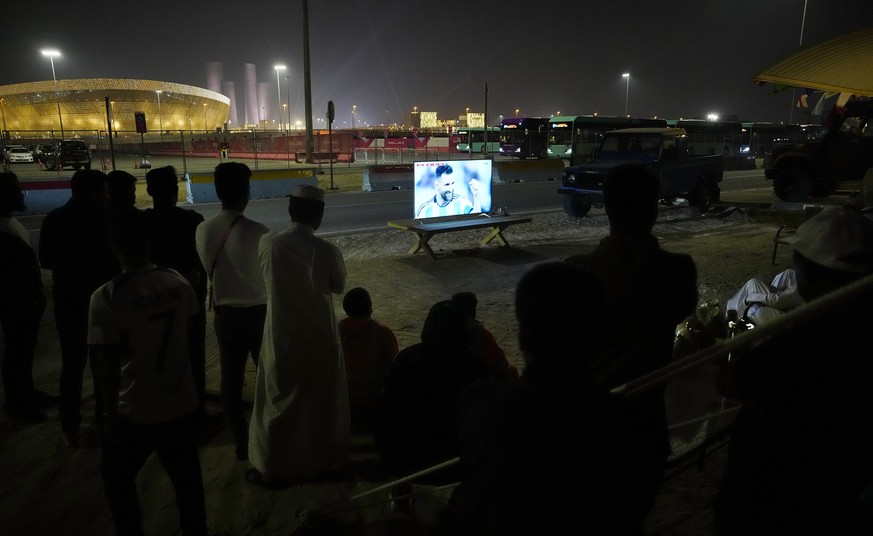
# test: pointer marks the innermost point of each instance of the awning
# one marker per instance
(843, 65)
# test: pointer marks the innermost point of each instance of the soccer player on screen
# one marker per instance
(446, 202)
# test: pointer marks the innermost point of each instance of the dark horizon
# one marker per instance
(386, 58)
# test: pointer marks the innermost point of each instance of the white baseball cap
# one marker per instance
(306, 191)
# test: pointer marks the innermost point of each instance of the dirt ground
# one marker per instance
(49, 488)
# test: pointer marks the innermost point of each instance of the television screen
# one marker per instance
(452, 188)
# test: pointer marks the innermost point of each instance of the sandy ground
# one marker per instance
(49, 488)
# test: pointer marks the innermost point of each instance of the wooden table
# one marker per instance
(425, 229)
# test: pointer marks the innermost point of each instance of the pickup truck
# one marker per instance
(815, 168)
(664, 150)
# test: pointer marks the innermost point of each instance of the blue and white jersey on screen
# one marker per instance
(457, 206)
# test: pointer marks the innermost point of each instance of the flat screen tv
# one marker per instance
(452, 188)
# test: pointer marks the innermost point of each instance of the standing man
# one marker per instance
(21, 307)
(227, 245)
(174, 247)
(74, 245)
(300, 420)
(140, 334)
(648, 292)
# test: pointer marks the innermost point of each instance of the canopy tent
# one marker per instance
(841, 65)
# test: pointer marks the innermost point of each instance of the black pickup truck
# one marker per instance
(816, 168)
(664, 150)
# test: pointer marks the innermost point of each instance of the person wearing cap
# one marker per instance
(300, 419)
(799, 460)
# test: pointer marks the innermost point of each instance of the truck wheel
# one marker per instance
(88, 165)
(574, 206)
(793, 184)
(705, 195)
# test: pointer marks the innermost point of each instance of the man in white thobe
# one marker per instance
(300, 420)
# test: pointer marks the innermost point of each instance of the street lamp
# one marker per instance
(205, 129)
(626, 76)
(354, 113)
(516, 112)
(160, 119)
(279, 91)
(52, 54)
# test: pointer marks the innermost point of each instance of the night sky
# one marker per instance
(687, 58)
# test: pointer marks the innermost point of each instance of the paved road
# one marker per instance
(350, 212)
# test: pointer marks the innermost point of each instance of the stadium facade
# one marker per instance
(79, 105)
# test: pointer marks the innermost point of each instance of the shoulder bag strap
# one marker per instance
(215, 260)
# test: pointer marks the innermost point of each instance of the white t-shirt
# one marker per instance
(238, 280)
(145, 313)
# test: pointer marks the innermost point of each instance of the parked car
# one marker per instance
(73, 153)
(664, 150)
(19, 154)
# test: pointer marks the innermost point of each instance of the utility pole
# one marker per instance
(307, 83)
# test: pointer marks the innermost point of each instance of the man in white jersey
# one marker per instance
(446, 202)
(139, 337)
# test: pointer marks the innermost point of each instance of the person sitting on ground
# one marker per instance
(555, 452)
(482, 341)
(799, 457)
(418, 426)
(368, 349)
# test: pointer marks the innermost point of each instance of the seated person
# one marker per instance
(799, 458)
(418, 425)
(555, 452)
(482, 341)
(368, 349)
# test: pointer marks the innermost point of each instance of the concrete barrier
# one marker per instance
(527, 170)
(43, 196)
(396, 177)
(267, 184)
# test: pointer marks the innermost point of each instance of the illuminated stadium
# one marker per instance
(78, 107)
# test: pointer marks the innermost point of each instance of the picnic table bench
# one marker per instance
(425, 229)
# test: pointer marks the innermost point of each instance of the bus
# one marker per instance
(472, 140)
(713, 137)
(576, 137)
(524, 136)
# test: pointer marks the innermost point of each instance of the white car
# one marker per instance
(19, 154)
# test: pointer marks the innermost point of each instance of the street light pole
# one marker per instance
(626, 76)
(51, 54)
(279, 93)
(205, 129)
(160, 119)
(354, 113)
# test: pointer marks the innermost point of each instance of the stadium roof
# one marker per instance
(843, 65)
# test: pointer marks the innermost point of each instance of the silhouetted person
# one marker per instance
(799, 460)
(227, 245)
(649, 291)
(419, 423)
(122, 190)
(74, 245)
(300, 419)
(140, 336)
(175, 247)
(22, 303)
(368, 349)
(482, 341)
(555, 452)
